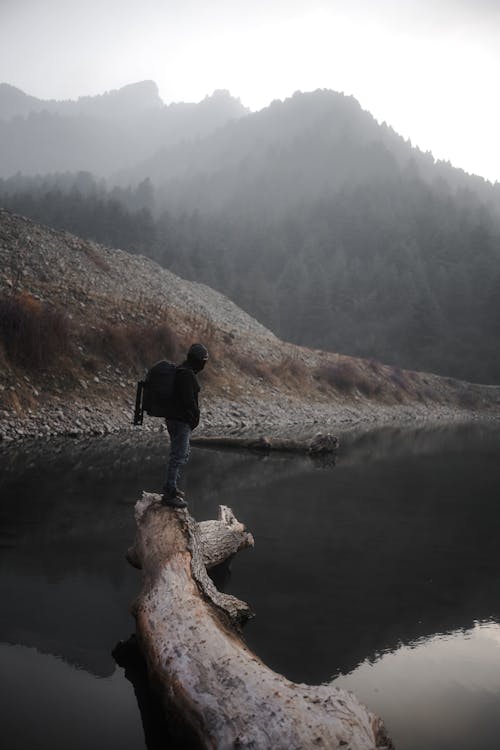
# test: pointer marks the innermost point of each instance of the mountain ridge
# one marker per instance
(138, 97)
(100, 133)
(322, 223)
(129, 99)
(323, 127)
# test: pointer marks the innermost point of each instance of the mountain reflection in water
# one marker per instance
(441, 693)
(375, 556)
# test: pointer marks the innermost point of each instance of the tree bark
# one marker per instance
(219, 540)
(187, 630)
(319, 444)
(222, 539)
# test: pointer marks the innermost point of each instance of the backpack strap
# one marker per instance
(139, 407)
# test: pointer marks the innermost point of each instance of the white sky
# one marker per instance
(430, 68)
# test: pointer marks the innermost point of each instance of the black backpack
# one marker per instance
(155, 394)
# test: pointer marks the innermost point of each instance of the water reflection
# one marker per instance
(392, 545)
(440, 693)
(397, 542)
(48, 704)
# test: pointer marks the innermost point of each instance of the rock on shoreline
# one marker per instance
(224, 416)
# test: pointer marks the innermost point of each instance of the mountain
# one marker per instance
(79, 323)
(15, 103)
(102, 133)
(308, 146)
(321, 223)
(334, 231)
(127, 101)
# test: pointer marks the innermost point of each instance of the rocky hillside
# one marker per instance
(80, 323)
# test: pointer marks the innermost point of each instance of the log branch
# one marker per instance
(201, 667)
(219, 540)
(222, 539)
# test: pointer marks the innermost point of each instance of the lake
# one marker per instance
(381, 572)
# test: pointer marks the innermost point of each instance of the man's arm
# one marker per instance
(187, 395)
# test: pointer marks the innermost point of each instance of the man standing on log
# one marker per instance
(184, 417)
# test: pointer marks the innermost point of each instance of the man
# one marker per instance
(185, 416)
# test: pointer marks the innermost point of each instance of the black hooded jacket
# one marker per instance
(185, 403)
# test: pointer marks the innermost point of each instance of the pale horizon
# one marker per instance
(428, 70)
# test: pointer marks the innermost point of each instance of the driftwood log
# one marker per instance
(223, 694)
(315, 446)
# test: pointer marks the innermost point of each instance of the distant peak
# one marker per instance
(220, 94)
(147, 84)
(14, 101)
(224, 98)
(130, 99)
(140, 88)
(8, 88)
(138, 95)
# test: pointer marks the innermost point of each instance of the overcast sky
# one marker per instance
(429, 68)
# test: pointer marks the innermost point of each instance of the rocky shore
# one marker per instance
(220, 416)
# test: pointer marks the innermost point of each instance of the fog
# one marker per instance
(326, 226)
(429, 69)
(332, 166)
(313, 210)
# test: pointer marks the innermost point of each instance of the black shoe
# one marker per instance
(173, 499)
(175, 492)
(174, 502)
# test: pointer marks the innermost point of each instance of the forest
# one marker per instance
(324, 225)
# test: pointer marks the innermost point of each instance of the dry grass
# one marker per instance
(252, 367)
(468, 400)
(346, 377)
(37, 338)
(398, 377)
(33, 335)
(130, 345)
(228, 353)
(203, 331)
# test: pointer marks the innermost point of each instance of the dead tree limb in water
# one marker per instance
(222, 693)
(222, 539)
(317, 445)
(219, 540)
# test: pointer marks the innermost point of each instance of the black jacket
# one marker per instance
(185, 403)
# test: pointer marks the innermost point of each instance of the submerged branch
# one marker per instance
(315, 446)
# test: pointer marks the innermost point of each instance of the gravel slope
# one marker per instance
(254, 380)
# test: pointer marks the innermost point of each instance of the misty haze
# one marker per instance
(324, 225)
(309, 191)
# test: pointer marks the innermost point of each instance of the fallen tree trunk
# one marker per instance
(202, 669)
(317, 445)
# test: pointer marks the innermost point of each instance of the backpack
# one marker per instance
(155, 394)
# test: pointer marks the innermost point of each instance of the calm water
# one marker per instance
(382, 572)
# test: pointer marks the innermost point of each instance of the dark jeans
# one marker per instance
(179, 432)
